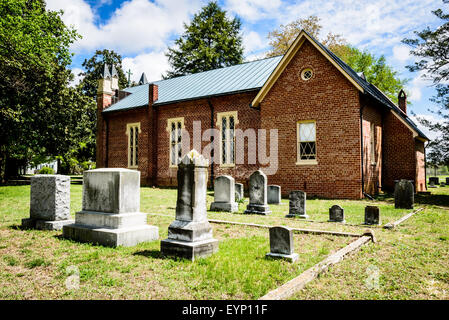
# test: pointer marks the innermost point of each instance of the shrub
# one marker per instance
(46, 170)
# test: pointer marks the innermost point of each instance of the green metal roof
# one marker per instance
(239, 78)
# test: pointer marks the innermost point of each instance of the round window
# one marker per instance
(306, 74)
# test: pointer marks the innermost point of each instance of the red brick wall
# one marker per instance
(399, 152)
(331, 100)
(372, 168)
(199, 110)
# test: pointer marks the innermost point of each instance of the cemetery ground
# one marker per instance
(408, 262)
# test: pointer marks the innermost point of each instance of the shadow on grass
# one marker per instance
(157, 254)
(431, 199)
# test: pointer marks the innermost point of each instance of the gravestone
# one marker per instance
(432, 184)
(274, 194)
(404, 194)
(281, 244)
(110, 214)
(49, 202)
(297, 205)
(224, 195)
(336, 214)
(190, 235)
(447, 181)
(258, 194)
(442, 184)
(238, 191)
(435, 180)
(372, 215)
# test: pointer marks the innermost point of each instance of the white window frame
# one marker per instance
(132, 163)
(169, 125)
(220, 117)
(299, 161)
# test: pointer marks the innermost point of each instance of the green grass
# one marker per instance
(412, 260)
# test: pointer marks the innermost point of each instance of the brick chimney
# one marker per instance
(153, 93)
(402, 101)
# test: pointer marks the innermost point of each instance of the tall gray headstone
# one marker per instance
(224, 195)
(274, 194)
(336, 214)
(110, 214)
(49, 202)
(190, 235)
(372, 215)
(258, 194)
(281, 244)
(297, 205)
(404, 194)
(238, 191)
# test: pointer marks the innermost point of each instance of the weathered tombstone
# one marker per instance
(224, 195)
(336, 214)
(432, 184)
(281, 244)
(238, 191)
(110, 214)
(190, 235)
(404, 194)
(447, 181)
(274, 194)
(372, 215)
(49, 202)
(258, 194)
(297, 205)
(435, 180)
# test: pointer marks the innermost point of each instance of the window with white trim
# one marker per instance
(227, 121)
(306, 141)
(132, 131)
(174, 127)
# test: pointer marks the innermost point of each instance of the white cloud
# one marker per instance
(416, 86)
(401, 53)
(253, 42)
(253, 10)
(135, 26)
(154, 64)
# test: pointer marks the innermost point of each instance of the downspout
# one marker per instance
(425, 167)
(212, 153)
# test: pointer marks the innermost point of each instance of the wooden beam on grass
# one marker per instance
(290, 288)
(394, 224)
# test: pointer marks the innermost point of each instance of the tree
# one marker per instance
(94, 71)
(432, 47)
(375, 68)
(34, 56)
(210, 41)
(281, 40)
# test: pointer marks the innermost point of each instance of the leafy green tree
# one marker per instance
(432, 48)
(34, 56)
(94, 70)
(376, 71)
(281, 39)
(210, 41)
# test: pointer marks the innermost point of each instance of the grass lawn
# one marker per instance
(412, 261)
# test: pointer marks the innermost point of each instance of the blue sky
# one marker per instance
(142, 30)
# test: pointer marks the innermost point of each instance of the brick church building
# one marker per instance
(338, 135)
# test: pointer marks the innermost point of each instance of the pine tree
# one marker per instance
(210, 41)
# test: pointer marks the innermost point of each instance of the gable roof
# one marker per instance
(238, 78)
(357, 79)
